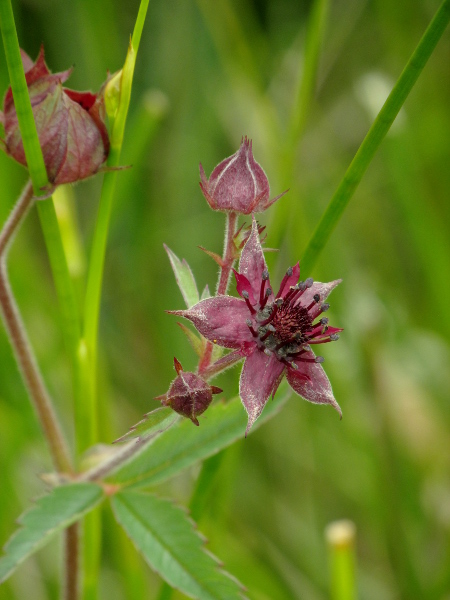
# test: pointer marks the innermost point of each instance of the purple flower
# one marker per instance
(274, 333)
(238, 183)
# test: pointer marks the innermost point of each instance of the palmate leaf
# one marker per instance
(184, 277)
(183, 444)
(166, 537)
(52, 513)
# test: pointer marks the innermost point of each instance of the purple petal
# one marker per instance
(323, 289)
(221, 320)
(243, 285)
(252, 263)
(259, 378)
(311, 383)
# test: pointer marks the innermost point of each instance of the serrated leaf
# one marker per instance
(154, 422)
(184, 278)
(196, 341)
(184, 445)
(166, 537)
(52, 513)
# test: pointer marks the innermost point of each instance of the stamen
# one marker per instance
(263, 302)
(265, 277)
(283, 281)
(316, 299)
(289, 363)
(247, 301)
(266, 335)
(323, 308)
(271, 316)
(249, 325)
(298, 291)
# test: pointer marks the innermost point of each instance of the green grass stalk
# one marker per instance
(375, 136)
(87, 411)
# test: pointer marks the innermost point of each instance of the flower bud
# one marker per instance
(189, 395)
(70, 125)
(238, 183)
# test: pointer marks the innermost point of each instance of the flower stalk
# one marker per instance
(22, 349)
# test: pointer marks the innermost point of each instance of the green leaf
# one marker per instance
(154, 422)
(59, 509)
(184, 277)
(197, 342)
(183, 444)
(206, 293)
(166, 537)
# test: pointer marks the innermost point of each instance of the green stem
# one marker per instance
(340, 537)
(87, 410)
(375, 135)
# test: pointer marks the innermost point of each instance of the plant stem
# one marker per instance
(228, 253)
(21, 346)
(71, 541)
(224, 278)
(375, 135)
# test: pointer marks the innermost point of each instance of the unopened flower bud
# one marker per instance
(70, 125)
(189, 395)
(238, 183)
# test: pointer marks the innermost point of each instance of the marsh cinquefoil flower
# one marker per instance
(274, 333)
(70, 125)
(238, 183)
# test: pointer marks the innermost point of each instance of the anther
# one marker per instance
(325, 307)
(316, 297)
(278, 302)
(324, 321)
(265, 275)
(309, 282)
(319, 359)
(267, 352)
(334, 337)
(289, 271)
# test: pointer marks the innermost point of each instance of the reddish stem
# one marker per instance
(224, 278)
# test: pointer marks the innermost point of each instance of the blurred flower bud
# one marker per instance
(238, 183)
(70, 125)
(189, 395)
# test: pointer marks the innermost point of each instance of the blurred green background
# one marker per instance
(209, 72)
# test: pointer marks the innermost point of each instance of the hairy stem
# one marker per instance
(224, 278)
(21, 346)
(228, 253)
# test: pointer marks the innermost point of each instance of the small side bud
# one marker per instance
(189, 395)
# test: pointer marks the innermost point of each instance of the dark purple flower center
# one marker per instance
(285, 325)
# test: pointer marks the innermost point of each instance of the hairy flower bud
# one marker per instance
(70, 125)
(189, 395)
(238, 183)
